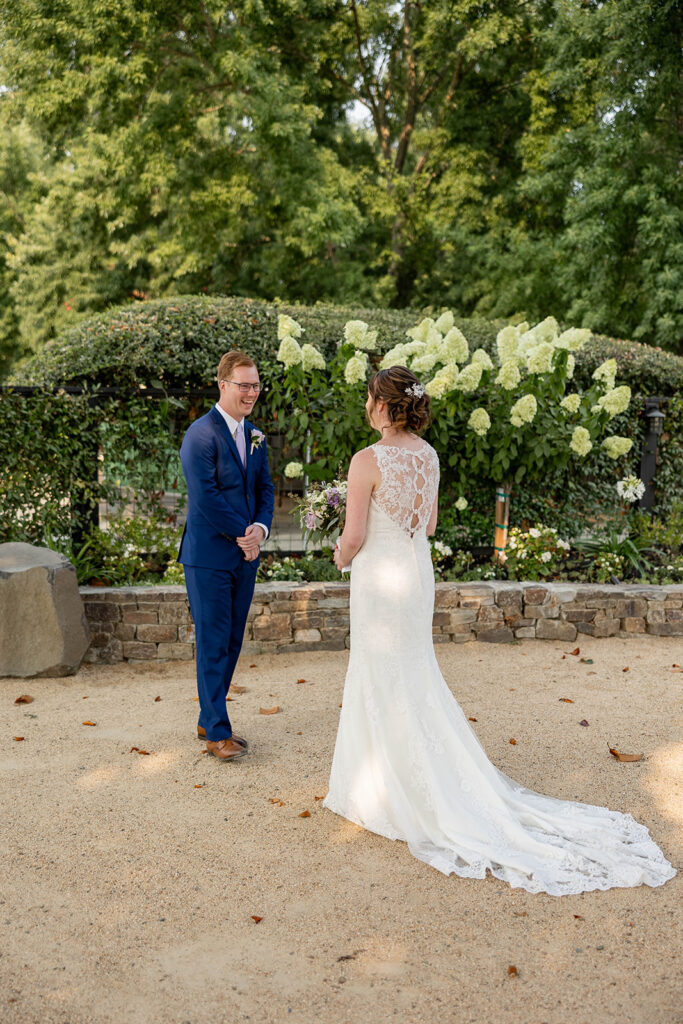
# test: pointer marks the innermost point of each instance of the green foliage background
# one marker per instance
(48, 442)
(505, 160)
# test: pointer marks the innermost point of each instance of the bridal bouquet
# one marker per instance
(321, 512)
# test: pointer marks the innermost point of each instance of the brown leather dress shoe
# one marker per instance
(201, 735)
(225, 750)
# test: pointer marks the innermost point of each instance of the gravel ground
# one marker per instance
(129, 880)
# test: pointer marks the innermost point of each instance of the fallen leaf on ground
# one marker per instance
(256, 919)
(675, 668)
(625, 757)
(567, 700)
(198, 785)
(157, 698)
(305, 814)
(20, 738)
(512, 969)
(86, 697)
(238, 689)
(318, 797)
(471, 719)
(301, 680)
(229, 698)
(579, 917)
(196, 698)
(269, 711)
(625, 669)
(138, 751)
(514, 742)
(299, 734)
(253, 665)
(583, 722)
(340, 705)
(88, 722)
(586, 661)
(577, 650)
(520, 913)
(276, 800)
(24, 699)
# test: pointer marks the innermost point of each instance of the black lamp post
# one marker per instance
(648, 458)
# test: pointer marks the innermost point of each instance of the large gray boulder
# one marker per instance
(43, 629)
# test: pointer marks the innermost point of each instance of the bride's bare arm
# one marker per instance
(363, 477)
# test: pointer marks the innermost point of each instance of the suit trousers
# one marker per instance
(219, 603)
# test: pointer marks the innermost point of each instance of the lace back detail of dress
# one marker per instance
(410, 483)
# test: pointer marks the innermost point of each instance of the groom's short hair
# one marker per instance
(230, 361)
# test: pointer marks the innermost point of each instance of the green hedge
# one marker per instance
(46, 443)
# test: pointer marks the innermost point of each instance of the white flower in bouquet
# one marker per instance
(631, 488)
(312, 358)
(469, 377)
(461, 504)
(616, 400)
(539, 359)
(294, 470)
(455, 348)
(479, 421)
(509, 376)
(445, 322)
(396, 356)
(581, 441)
(287, 327)
(356, 368)
(357, 333)
(616, 446)
(289, 352)
(480, 355)
(571, 363)
(574, 338)
(423, 363)
(421, 331)
(523, 411)
(571, 402)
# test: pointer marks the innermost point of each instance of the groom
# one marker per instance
(230, 509)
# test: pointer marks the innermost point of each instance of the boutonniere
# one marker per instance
(256, 440)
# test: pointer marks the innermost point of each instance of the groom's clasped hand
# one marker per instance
(250, 543)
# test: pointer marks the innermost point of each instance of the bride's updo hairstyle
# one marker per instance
(408, 404)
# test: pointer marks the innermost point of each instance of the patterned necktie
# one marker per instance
(240, 442)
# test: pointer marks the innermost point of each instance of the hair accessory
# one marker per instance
(415, 389)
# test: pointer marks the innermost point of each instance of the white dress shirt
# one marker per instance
(232, 427)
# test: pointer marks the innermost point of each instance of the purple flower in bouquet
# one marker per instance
(333, 497)
(310, 520)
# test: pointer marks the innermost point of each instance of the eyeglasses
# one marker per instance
(246, 388)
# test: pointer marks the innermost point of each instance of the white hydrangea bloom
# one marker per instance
(293, 470)
(356, 368)
(469, 377)
(574, 338)
(434, 343)
(606, 373)
(571, 402)
(523, 411)
(461, 504)
(546, 331)
(421, 331)
(480, 355)
(506, 344)
(443, 381)
(415, 348)
(479, 421)
(616, 446)
(571, 363)
(509, 375)
(396, 356)
(445, 322)
(423, 363)
(455, 346)
(312, 358)
(289, 352)
(540, 358)
(287, 327)
(357, 333)
(616, 400)
(581, 441)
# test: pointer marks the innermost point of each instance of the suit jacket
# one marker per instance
(224, 497)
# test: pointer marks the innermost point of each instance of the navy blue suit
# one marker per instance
(224, 498)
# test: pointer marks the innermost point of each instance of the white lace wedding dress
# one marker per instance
(408, 765)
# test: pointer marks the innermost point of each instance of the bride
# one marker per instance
(407, 764)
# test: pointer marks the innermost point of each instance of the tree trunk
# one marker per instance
(500, 539)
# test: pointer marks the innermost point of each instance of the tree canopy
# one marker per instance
(506, 160)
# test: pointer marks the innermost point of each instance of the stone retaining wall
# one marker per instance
(154, 623)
